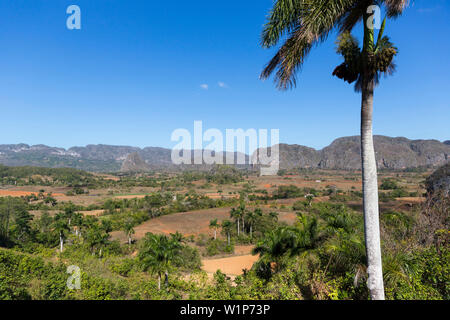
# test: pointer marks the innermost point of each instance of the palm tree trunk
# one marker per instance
(369, 175)
(61, 243)
(370, 196)
(238, 226)
(215, 234)
(228, 236)
(159, 281)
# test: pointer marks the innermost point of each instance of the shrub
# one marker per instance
(123, 267)
(218, 246)
(389, 184)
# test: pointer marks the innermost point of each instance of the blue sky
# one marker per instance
(134, 72)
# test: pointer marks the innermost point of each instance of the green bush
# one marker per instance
(214, 247)
(389, 184)
(123, 267)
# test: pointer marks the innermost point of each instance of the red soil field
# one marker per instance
(230, 265)
(16, 193)
(188, 223)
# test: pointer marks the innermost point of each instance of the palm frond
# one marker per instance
(394, 8)
(384, 56)
(353, 15)
(282, 19)
(306, 23)
(348, 47)
(287, 61)
(315, 20)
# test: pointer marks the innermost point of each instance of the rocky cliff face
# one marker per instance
(134, 163)
(390, 153)
(345, 153)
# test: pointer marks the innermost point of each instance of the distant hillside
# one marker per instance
(44, 176)
(343, 153)
(391, 153)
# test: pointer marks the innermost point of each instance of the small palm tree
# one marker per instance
(308, 237)
(128, 228)
(69, 212)
(251, 218)
(97, 235)
(153, 255)
(306, 23)
(77, 221)
(177, 237)
(273, 215)
(275, 245)
(227, 225)
(240, 213)
(106, 228)
(157, 253)
(236, 214)
(309, 198)
(61, 226)
(258, 212)
(213, 224)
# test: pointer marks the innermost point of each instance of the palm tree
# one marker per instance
(307, 236)
(243, 211)
(77, 221)
(227, 225)
(213, 224)
(273, 215)
(177, 237)
(105, 229)
(157, 253)
(176, 243)
(236, 214)
(251, 218)
(152, 255)
(69, 212)
(306, 23)
(275, 245)
(61, 226)
(86, 224)
(128, 228)
(97, 235)
(309, 198)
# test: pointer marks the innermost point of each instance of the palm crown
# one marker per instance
(380, 59)
(306, 23)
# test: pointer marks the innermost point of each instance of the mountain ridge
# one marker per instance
(342, 153)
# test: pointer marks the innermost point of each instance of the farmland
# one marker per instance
(223, 225)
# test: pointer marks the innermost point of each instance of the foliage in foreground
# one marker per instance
(321, 257)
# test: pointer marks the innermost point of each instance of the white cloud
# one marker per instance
(222, 84)
(428, 10)
(204, 86)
